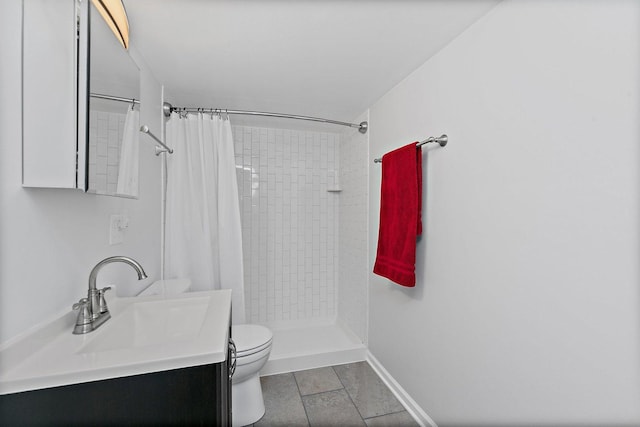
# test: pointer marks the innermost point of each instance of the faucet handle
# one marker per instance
(83, 322)
(80, 304)
(102, 304)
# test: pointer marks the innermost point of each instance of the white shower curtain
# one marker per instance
(203, 230)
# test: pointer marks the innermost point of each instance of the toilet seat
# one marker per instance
(250, 339)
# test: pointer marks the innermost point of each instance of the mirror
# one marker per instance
(114, 81)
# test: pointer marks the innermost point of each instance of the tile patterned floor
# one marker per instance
(343, 395)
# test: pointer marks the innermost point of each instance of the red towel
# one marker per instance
(400, 216)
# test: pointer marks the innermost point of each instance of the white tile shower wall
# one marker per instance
(105, 130)
(353, 231)
(289, 222)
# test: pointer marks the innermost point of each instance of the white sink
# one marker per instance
(166, 287)
(164, 322)
(144, 334)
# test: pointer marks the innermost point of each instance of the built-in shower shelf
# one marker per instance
(333, 181)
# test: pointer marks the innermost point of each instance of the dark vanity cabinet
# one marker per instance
(193, 396)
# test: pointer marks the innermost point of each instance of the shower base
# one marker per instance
(311, 345)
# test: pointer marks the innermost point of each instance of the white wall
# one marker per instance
(289, 222)
(526, 308)
(50, 239)
(353, 237)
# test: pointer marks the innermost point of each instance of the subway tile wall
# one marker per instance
(353, 232)
(105, 134)
(289, 222)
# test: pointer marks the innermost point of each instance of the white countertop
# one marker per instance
(52, 356)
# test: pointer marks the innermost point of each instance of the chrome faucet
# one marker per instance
(93, 309)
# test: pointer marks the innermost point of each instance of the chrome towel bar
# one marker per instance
(442, 140)
(145, 129)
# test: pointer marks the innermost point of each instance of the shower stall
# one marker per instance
(303, 199)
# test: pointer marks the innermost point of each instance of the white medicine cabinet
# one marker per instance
(68, 53)
(53, 153)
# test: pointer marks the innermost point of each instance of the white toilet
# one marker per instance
(253, 345)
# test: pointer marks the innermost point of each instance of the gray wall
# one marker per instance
(526, 309)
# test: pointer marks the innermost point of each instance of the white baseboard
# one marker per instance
(412, 407)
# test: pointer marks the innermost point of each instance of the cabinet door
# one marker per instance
(50, 91)
(179, 397)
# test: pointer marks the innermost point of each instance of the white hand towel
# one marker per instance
(129, 153)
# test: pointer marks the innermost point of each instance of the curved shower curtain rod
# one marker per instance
(168, 109)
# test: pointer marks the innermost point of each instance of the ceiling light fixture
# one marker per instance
(115, 16)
